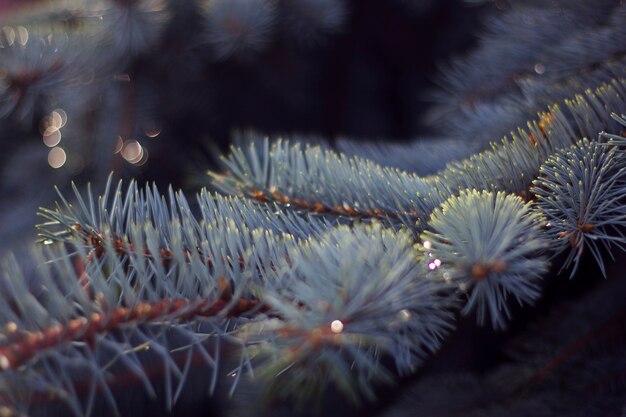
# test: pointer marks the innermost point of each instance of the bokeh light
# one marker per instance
(119, 145)
(133, 152)
(22, 35)
(9, 35)
(51, 136)
(58, 118)
(50, 127)
(336, 326)
(57, 157)
(153, 133)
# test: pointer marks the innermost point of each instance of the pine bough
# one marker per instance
(322, 270)
(319, 268)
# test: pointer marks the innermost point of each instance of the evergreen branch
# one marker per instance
(580, 191)
(586, 382)
(35, 70)
(489, 245)
(130, 27)
(261, 271)
(346, 300)
(310, 21)
(315, 304)
(106, 311)
(487, 72)
(117, 213)
(499, 86)
(490, 119)
(44, 323)
(143, 219)
(238, 27)
(513, 164)
(318, 180)
(25, 347)
(613, 139)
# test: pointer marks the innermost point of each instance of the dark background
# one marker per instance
(370, 80)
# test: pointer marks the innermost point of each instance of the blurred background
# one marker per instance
(155, 90)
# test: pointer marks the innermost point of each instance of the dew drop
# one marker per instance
(336, 326)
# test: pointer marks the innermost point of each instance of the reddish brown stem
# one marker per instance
(97, 241)
(320, 208)
(28, 345)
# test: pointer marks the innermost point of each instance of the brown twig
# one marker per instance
(28, 344)
(320, 208)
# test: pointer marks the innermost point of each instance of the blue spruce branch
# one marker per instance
(324, 270)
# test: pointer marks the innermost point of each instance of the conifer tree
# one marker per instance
(308, 271)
